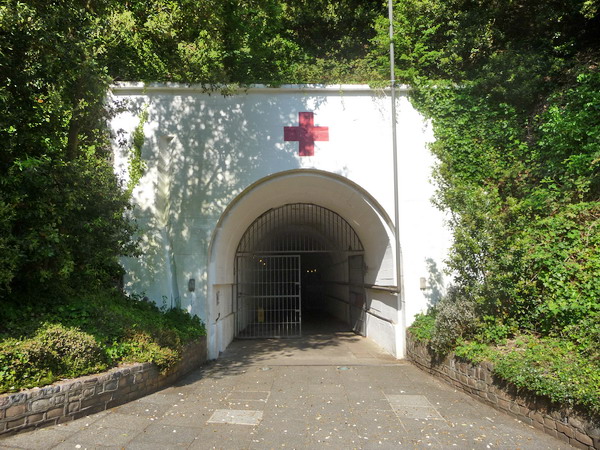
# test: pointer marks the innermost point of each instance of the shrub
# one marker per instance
(71, 352)
(455, 317)
(553, 368)
(43, 341)
(54, 352)
(140, 346)
(20, 363)
(423, 326)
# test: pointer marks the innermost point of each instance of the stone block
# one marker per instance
(123, 391)
(101, 399)
(41, 405)
(583, 438)
(75, 395)
(35, 418)
(492, 398)
(58, 399)
(16, 410)
(481, 385)
(45, 392)
(88, 392)
(566, 430)
(575, 443)
(15, 423)
(75, 386)
(139, 377)
(489, 378)
(537, 417)
(56, 412)
(551, 431)
(111, 385)
(538, 425)
(550, 423)
(576, 423)
(516, 409)
(527, 420)
(73, 407)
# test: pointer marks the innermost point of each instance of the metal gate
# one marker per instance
(356, 293)
(268, 296)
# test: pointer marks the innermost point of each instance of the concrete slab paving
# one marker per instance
(331, 390)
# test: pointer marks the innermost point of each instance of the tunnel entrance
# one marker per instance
(296, 265)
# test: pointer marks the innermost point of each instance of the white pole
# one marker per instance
(400, 338)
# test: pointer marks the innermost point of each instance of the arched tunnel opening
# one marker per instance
(299, 271)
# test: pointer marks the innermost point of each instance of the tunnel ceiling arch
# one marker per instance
(299, 228)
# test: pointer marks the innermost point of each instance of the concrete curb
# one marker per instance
(72, 399)
(479, 382)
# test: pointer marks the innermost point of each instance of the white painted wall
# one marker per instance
(215, 163)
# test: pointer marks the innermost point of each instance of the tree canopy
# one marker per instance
(61, 208)
(512, 89)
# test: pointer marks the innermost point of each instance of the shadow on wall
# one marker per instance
(200, 152)
(435, 283)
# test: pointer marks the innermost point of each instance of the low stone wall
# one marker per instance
(480, 382)
(72, 399)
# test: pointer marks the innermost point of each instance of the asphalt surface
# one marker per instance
(328, 389)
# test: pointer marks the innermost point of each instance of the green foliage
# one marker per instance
(239, 41)
(550, 367)
(68, 236)
(455, 317)
(9, 254)
(137, 166)
(512, 91)
(564, 369)
(61, 207)
(41, 342)
(62, 218)
(423, 326)
(53, 352)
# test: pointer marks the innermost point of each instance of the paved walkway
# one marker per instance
(325, 390)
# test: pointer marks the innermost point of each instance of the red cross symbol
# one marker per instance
(306, 133)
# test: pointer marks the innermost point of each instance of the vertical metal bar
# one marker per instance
(237, 296)
(399, 280)
(263, 326)
(271, 298)
(282, 323)
(287, 298)
(277, 300)
(299, 293)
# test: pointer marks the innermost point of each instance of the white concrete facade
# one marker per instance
(215, 163)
